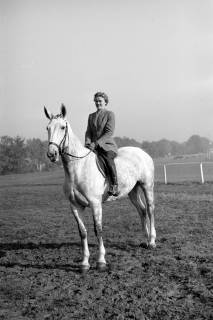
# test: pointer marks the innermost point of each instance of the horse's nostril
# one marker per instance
(49, 155)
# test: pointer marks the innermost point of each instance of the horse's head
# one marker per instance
(57, 133)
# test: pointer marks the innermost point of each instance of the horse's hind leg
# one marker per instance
(136, 198)
(149, 195)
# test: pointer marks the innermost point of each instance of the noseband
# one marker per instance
(61, 148)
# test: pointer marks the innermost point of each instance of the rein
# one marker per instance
(76, 157)
(61, 149)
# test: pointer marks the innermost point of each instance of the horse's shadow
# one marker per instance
(7, 247)
(74, 267)
(65, 267)
(53, 245)
(39, 245)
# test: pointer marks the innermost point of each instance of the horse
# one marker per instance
(86, 186)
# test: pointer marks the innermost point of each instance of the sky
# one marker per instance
(154, 59)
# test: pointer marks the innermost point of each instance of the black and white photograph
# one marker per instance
(106, 159)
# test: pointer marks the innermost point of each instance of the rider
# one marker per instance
(98, 137)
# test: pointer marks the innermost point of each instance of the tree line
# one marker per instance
(162, 148)
(18, 155)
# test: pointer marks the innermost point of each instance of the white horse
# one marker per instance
(85, 185)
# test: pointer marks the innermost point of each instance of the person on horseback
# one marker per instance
(99, 137)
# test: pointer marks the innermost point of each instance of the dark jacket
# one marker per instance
(100, 129)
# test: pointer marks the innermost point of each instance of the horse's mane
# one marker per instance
(76, 143)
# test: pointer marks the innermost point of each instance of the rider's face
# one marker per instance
(100, 103)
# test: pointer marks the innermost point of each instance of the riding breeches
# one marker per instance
(109, 157)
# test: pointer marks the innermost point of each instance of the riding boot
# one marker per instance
(113, 189)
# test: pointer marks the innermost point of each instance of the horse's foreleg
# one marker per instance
(97, 216)
(83, 234)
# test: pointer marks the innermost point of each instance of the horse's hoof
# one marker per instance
(152, 246)
(101, 266)
(84, 268)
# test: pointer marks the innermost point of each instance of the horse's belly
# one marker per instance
(133, 165)
(128, 175)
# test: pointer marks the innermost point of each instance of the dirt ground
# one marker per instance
(40, 253)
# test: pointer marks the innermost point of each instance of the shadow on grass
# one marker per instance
(75, 267)
(31, 245)
(124, 246)
(65, 267)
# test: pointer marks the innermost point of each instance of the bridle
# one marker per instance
(61, 148)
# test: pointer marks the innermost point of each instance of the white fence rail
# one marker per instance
(184, 171)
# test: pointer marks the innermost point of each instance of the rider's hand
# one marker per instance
(91, 146)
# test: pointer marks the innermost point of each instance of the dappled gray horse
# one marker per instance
(85, 185)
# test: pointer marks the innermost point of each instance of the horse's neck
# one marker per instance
(73, 144)
(74, 147)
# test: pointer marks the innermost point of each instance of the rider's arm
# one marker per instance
(88, 134)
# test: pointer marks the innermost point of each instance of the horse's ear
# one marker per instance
(63, 110)
(47, 113)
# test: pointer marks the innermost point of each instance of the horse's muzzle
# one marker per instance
(53, 156)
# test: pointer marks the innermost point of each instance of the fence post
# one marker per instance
(165, 177)
(201, 172)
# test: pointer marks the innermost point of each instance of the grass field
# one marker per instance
(40, 252)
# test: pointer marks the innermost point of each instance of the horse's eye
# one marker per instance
(47, 128)
(62, 127)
